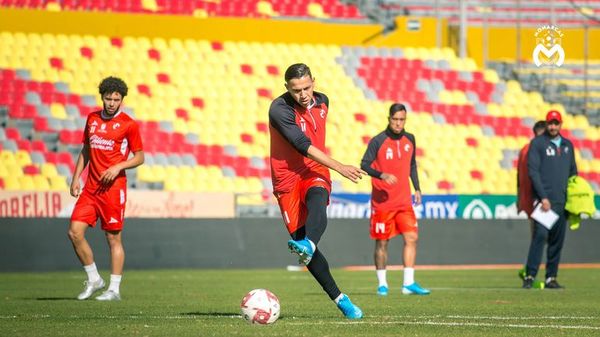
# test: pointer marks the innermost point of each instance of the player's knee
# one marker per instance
(411, 238)
(114, 239)
(75, 236)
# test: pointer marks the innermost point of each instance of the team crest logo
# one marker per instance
(116, 126)
(548, 51)
(406, 147)
(550, 151)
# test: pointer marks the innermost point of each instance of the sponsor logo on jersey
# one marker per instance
(97, 142)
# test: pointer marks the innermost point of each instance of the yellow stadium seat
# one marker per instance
(23, 158)
(12, 184)
(41, 183)
(491, 76)
(26, 182)
(7, 157)
(58, 183)
(48, 170)
(265, 8)
(14, 170)
(58, 111)
(144, 173)
(159, 173)
(172, 184)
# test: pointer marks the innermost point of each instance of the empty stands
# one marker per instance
(202, 108)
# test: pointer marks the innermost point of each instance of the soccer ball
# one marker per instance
(260, 306)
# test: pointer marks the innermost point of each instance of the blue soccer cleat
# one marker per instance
(382, 291)
(415, 289)
(304, 250)
(348, 308)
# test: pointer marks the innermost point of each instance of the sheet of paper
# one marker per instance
(547, 219)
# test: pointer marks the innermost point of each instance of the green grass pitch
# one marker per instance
(206, 303)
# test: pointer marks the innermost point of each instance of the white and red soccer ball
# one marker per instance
(260, 306)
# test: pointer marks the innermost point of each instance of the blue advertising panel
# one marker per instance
(358, 206)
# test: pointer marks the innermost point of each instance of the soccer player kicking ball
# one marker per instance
(300, 174)
(390, 161)
(109, 137)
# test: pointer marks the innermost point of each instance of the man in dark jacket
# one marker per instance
(550, 161)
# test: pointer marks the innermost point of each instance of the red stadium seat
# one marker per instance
(87, 52)
(12, 133)
(198, 102)
(24, 144)
(39, 145)
(31, 170)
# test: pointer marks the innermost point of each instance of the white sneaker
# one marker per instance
(109, 295)
(90, 289)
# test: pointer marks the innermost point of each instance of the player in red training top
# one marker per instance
(299, 169)
(109, 137)
(390, 161)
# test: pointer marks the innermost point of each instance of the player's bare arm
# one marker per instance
(348, 171)
(418, 198)
(389, 178)
(82, 161)
(112, 172)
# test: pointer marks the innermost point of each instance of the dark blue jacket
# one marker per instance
(550, 168)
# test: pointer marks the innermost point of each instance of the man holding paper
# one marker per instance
(550, 161)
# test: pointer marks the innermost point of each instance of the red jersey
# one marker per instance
(394, 154)
(110, 141)
(524, 186)
(293, 129)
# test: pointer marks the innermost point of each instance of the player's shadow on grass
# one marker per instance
(56, 299)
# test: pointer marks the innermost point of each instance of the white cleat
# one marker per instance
(90, 289)
(109, 295)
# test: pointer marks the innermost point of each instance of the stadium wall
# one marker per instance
(42, 245)
(218, 29)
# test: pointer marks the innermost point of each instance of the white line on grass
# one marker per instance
(516, 318)
(490, 325)
(411, 320)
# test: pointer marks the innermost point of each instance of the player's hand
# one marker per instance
(75, 188)
(389, 178)
(109, 175)
(418, 199)
(546, 205)
(351, 172)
